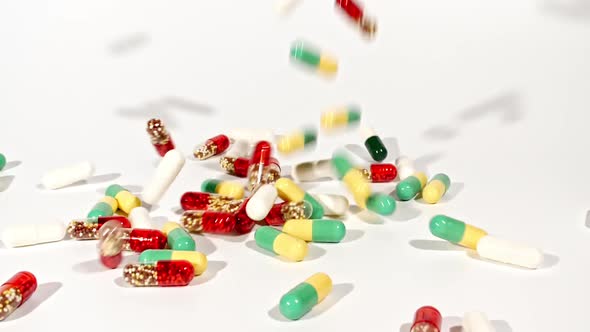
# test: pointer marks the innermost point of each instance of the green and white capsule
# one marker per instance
(436, 188)
(316, 230)
(313, 58)
(410, 186)
(301, 299)
(178, 237)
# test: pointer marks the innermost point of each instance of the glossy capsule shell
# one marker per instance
(197, 259)
(27, 235)
(374, 144)
(301, 299)
(410, 186)
(340, 117)
(509, 252)
(354, 179)
(160, 273)
(289, 191)
(193, 200)
(436, 188)
(261, 202)
(140, 218)
(357, 14)
(16, 291)
(223, 188)
(281, 212)
(305, 54)
(166, 172)
(456, 231)
(405, 167)
(382, 173)
(2, 161)
(333, 205)
(313, 171)
(61, 177)
(381, 204)
(126, 200)
(106, 207)
(476, 321)
(427, 319)
(316, 230)
(280, 243)
(178, 238)
(297, 141)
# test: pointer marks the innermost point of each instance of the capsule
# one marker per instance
(140, 218)
(410, 187)
(159, 136)
(212, 147)
(313, 171)
(113, 239)
(334, 205)
(16, 291)
(28, 235)
(436, 188)
(261, 201)
(456, 231)
(356, 13)
(126, 200)
(88, 229)
(280, 243)
(244, 224)
(178, 238)
(281, 212)
(311, 57)
(354, 180)
(65, 176)
(160, 274)
(224, 188)
(508, 252)
(237, 166)
(197, 259)
(427, 319)
(105, 208)
(289, 191)
(374, 144)
(297, 141)
(380, 173)
(341, 117)
(208, 221)
(316, 230)
(301, 299)
(476, 321)
(206, 201)
(2, 161)
(263, 168)
(405, 167)
(165, 174)
(381, 204)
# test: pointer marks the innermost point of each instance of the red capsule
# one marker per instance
(208, 221)
(243, 223)
(144, 239)
(263, 168)
(122, 220)
(383, 173)
(356, 13)
(161, 139)
(235, 166)
(262, 153)
(212, 147)
(281, 212)
(161, 273)
(427, 319)
(193, 200)
(16, 291)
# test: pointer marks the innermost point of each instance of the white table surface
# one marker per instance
(494, 93)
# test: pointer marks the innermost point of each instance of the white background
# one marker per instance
(493, 93)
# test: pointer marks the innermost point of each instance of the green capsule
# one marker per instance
(409, 187)
(376, 148)
(100, 209)
(197, 259)
(341, 164)
(301, 299)
(113, 190)
(2, 161)
(313, 58)
(316, 230)
(281, 243)
(381, 204)
(456, 231)
(317, 210)
(436, 188)
(210, 185)
(178, 237)
(309, 136)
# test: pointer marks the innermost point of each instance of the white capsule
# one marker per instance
(313, 170)
(166, 172)
(283, 7)
(261, 202)
(26, 235)
(139, 217)
(238, 148)
(405, 167)
(509, 252)
(252, 136)
(476, 321)
(334, 205)
(65, 176)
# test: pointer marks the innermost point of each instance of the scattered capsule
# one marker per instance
(212, 147)
(357, 14)
(509, 252)
(436, 188)
(261, 202)
(410, 187)
(206, 201)
(405, 167)
(456, 231)
(476, 321)
(88, 229)
(380, 173)
(208, 221)
(140, 218)
(427, 319)
(341, 117)
(65, 176)
(126, 200)
(16, 291)
(374, 144)
(244, 224)
(159, 136)
(334, 205)
(289, 191)
(28, 235)
(280, 243)
(305, 54)
(178, 238)
(2, 161)
(237, 166)
(281, 212)
(161, 273)
(353, 179)
(297, 141)
(263, 168)
(313, 170)
(316, 230)
(105, 208)
(301, 299)
(224, 188)
(165, 174)
(197, 259)
(381, 204)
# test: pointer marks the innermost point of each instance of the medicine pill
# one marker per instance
(405, 167)
(61, 177)
(427, 319)
(409, 187)
(16, 291)
(231, 189)
(281, 212)
(316, 230)
(140, 218)
(197, 259)
(334, 205)
(166, 172)
(301, 299)
(341, 117)
(456, 231)
(27, 235)
(160, 138)
(178, 238)
(436, 188)
(212, 147)
(374, 144)
(313, 171)
(289, 191)
(161, 274)
(280, 243)
(297, 141)
(307, 55)
(261, 202)
(126, 200)
(509, 252)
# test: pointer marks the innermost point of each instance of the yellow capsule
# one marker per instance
(289, 191)
(300, 228)
(436, 188)
(112, 202)
(297, 141)
(328, 65)
(290, 247)
(322, 284)
(231, 189)
(340, 117)
(127, 201)
(358, 186)
(472, 236)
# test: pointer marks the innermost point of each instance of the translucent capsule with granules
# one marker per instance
(212, 147)
(87, 229)
(161, 139)
(16, 291)
(160, 273)
(193, 200)
(208, 221)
